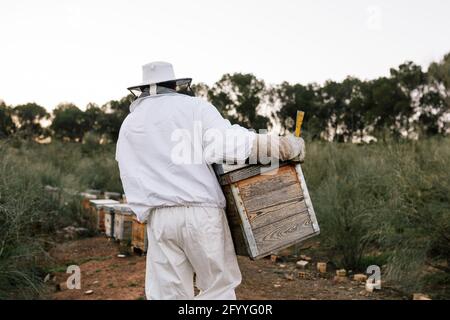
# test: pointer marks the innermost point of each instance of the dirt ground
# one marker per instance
(111, 277)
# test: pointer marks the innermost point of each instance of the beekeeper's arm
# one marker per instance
(226, 142)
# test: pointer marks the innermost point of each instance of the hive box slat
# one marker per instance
(267, 209)
(139, 235)
(234, 221)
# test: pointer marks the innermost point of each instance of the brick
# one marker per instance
(322, 267)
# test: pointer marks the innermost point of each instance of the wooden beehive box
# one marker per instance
(123, 221)
(98, 212)
(267, 209)
(109, 219)
(86, 198)
(139, 235)
(113, 195)
(94, 192)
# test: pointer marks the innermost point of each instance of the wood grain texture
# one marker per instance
(235, 223)
(269, 198)
(280, 233)
(267, 183)
(307, 197)
(101, 219)
(272, 214)
(275, 206)
(246, 172)
(283, 194)
(139, 235)
(122, 226)
(222, 168)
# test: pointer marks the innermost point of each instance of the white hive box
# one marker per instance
(109, 219)
(123, 222)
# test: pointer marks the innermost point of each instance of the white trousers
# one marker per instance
(184, 240)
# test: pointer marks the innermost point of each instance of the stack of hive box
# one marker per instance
(116, 220)
(98, 211)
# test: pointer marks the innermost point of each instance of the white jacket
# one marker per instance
(164, 158)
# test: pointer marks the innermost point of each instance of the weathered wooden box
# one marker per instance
(267, 209)
(98, 212)
(85, 200)
(123, 221)
(139, 235)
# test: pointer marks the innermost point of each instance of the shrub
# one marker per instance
(393, 198)
(29, 215)
(348, 197)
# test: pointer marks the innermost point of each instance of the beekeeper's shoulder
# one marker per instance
(192, 100)
(198, 103)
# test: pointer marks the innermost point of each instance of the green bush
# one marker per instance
(348, 196)
(91, 143)
(419, 230)
(30, 215)
(27, 216)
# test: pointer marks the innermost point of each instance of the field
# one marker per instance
(386, 204)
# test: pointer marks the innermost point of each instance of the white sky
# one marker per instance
(80, 51)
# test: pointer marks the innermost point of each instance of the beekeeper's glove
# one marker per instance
(282, 148)
(292, 148)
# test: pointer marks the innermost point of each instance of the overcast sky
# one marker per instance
(80, 51)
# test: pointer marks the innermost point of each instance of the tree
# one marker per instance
(385, 101)
(440, 71)
(114, 112)
(200, 90)
(356, 119)
(7, 126)
(92, 118)
(432, 105)
(334, 98)
(68, 122)
(239, 97)
(410, 78)
(435, 104)
(30, 117)
(305, 98)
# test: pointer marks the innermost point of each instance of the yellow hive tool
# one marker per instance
(298, 123)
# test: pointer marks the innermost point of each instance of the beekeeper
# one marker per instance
(165, 168)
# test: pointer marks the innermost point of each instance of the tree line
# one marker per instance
(409, 103)
(68, 122)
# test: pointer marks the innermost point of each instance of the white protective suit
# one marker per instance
(180, 195)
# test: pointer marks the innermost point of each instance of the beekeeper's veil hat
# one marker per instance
(159, 72)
